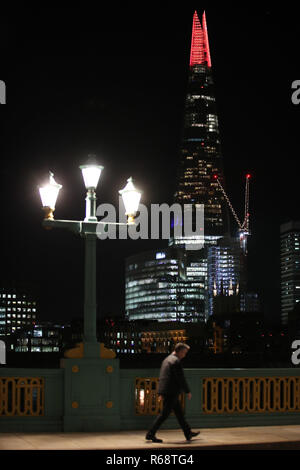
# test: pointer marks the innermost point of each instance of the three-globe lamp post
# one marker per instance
(88, 229)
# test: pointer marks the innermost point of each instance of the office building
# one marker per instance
(200, 155)
(290, 267)
(18, 309)
(165, 285)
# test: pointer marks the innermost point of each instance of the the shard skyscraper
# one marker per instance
(200, 154)
(200, 160)
(172, 284)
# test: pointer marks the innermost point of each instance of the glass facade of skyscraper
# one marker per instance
(224, 269)
(290, 267)
(159, 288)
(165, 285)
(200, 149)
(200, 155)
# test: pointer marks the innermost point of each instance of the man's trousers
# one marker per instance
(171, 402)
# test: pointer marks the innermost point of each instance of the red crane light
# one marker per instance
(215, 176)
(248, 175)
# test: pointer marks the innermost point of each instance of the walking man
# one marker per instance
(171, 383)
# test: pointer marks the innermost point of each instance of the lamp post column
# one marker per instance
(90, 206)
(91, 346)
(90, 302)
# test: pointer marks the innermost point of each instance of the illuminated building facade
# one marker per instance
(200, 149)
(162, 341)
(165, 285)
(224, 270)
(290, 267)
(227, 280)
(17, 310)
(200, 157)
(159, 288)
(126, 337)
(41, 338)
(122, 336)
(151, 337)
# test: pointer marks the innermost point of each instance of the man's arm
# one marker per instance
(162, 379)
(179, 376)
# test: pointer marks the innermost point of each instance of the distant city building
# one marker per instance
(227, 283)
(224, 267)
(236, 302)
(163, 340)
(250, 302)
(41, 338)
(128, 337)
(160, 288)
(293, 325)
(122, 336)
(237, 332)
(201, 156)
(227, 303)
(17, 310)
(165, 285)
(201, 149)
(290, 267)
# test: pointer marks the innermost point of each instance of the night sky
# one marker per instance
(112, 81)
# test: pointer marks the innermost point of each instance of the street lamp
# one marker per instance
(88, 230)
(91, 174)
(131, 198)
(49, 194)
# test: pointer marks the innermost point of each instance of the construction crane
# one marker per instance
(244, 231)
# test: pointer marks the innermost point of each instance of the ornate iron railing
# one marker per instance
(22, 396)
(250, 394)
(146, 396)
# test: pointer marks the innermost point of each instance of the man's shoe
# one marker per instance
(152, 437)
(191, 434)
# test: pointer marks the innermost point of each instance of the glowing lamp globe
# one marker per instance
(131, 197)
(49, 194)
(91, 174)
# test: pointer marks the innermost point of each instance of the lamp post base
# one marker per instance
(90, 349)
(92, 394)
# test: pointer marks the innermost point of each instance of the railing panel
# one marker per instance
(146, 396)
(229, 395)
(250, 394)
(22, 396)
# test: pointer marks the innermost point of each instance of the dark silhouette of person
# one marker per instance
(171, 383)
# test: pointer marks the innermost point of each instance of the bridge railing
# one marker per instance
(40, 399)
(220, 397)
(31, 399)
(22, 396)
(146, 396)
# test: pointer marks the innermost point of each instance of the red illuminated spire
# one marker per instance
(200, 47)
(206, 43)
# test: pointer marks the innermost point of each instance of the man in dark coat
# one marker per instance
(171, 383)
